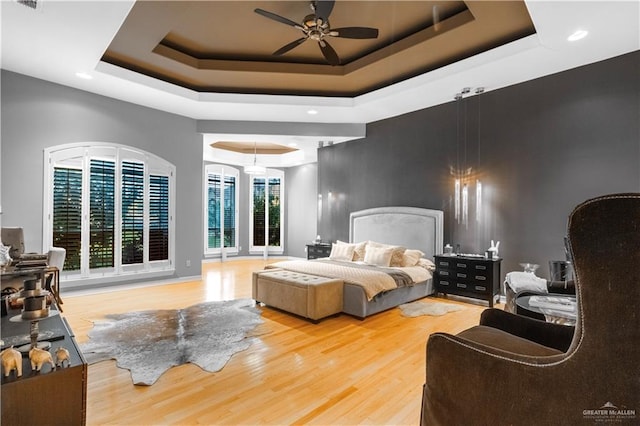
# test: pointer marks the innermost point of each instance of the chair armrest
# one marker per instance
(555, 336)
(468, 383)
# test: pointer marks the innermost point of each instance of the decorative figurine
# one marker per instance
(494, 248)
(62, 355)
(39, 357)
(11, 360)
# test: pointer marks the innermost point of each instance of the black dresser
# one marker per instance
(315, 251)
(475, 277)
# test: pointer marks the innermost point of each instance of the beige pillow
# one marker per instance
(396, 257)
(427, 264)
(358, 253)
(342, 252)
(411, 257)
(378, 256)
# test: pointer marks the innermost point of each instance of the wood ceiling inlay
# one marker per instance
(224, 46)
(268, 148)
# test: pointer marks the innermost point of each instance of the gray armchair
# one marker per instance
(13, 237)
(515, 370)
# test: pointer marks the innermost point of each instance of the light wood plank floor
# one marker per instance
(342, 371)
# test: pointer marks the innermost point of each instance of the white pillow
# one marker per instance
(378, 256)
(396, 256)
(358, 253)
(411, 257)
(342, 252)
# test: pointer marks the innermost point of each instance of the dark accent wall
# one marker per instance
(539, 148)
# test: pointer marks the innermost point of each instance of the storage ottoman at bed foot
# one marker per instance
(308, 296)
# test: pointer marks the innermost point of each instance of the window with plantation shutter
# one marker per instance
(132, 212)
(101, 213)
(158, 218)
(221, 200)
(67, 214)
(111, 207)
(266, 220)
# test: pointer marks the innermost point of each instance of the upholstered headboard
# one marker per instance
(410, 227)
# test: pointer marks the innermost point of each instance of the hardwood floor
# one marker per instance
(342, 371)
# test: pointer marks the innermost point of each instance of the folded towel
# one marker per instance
(519, 281)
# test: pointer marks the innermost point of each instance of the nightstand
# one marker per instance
(314, 251)
(475, 277)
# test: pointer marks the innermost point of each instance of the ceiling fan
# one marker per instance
(316, 27)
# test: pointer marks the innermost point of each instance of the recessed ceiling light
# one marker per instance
(580, 34)
(312, 112)
(292, 144)
(84, 75)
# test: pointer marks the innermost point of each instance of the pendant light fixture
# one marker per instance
(254, 169)
(463, 175)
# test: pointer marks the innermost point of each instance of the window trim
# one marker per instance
(223, 170)
(153, 165)
(267, 249)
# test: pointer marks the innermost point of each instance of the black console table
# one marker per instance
(48, 397)
(475, 277)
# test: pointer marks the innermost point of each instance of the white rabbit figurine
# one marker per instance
(494, 248)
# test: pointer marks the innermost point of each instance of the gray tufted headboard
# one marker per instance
(410, 227)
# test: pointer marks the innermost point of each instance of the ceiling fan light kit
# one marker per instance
(316, 27)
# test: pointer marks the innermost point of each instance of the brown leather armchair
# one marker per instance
(513, 370)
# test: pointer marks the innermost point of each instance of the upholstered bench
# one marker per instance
(306, 295)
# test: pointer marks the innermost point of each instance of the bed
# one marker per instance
(409, 227)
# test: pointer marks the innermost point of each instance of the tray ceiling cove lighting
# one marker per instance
(254, 169)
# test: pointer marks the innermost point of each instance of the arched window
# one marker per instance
(221, 209)
(111, 207)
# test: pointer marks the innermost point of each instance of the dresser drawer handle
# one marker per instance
(446, 273)
(444, 282)
(461, 265)
(481, 278)
(459, 275)
(481, 288)
(461, 285)
(443, 263)
(481, 267)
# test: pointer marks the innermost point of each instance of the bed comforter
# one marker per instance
(373, 279)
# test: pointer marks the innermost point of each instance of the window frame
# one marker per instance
(223, 170)
(267, 249)
(82, 153)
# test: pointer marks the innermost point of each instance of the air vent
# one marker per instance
(33, 4)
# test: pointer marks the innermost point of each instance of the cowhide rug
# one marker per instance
(415, 309)
(148, 343)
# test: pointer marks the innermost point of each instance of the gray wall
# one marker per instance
(38, 114)
(301, 199)
(539, 148)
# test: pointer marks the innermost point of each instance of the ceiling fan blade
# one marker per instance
(278, 18)
(329, 53)
(354, 32)
(284, 49)
(323, 9)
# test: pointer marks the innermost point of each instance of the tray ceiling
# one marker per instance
(225, 47)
